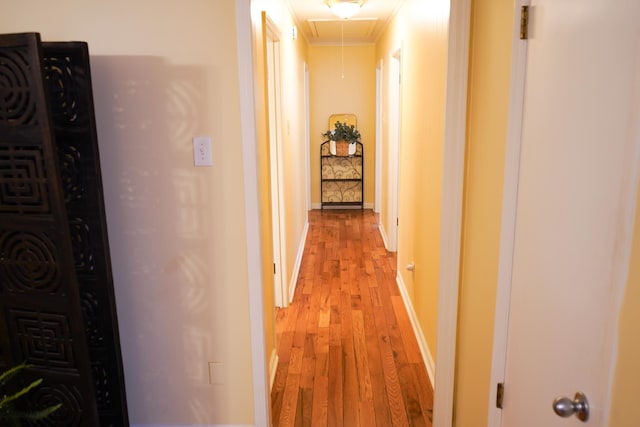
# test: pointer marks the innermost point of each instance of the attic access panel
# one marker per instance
(354, 30)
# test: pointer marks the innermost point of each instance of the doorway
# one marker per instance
(455, 121)
(570, 228)
(389, 227)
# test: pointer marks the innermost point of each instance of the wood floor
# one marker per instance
(347, 353)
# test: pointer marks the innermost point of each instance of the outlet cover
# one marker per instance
(216, 374)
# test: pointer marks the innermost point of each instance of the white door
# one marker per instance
(575, 195)
(281, 298)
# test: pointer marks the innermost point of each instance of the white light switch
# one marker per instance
(202, 151)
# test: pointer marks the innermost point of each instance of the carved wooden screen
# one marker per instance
(68, 78)
(46, 319)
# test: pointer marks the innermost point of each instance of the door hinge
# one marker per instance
(397, 222)
(499, 395)
(274, 268)
(524, 22)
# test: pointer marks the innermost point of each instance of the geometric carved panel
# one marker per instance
(103, 385)
(18, 106)
(61, 76)
(69, 414)
(68, 82)
(28, 262)
(45, 339)
(90, 307)
(71, 171)
(41, 312)
(82, 248)
(23, 181)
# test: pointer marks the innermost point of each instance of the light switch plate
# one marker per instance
(202, 155)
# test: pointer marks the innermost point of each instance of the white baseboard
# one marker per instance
(318, 206)
(193, 425)
(273, 366)
(383, 234)
(296, 265)
(417, 330)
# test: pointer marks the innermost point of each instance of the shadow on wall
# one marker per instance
(161, 220)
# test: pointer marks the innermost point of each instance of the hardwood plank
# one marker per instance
(277, 393)
(365, 392)
(289, 401)
(410, 396)
(391, 379)
(319, 410)
(366, 414)
(324, 306)
(335, 389)
(406, 331)
(305, 397)
(425, 390)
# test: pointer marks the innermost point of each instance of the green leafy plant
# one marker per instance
(9, 415)
(342, 131)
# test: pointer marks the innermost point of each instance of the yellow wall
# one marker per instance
(626, 383)
(162, 73)
(332, 94)
(420, 30)
(487, 115)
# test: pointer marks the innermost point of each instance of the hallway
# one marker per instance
(347, 353)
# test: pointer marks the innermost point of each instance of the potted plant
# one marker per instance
(345, 137)
(9, 415)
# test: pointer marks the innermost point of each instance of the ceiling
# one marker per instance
(320, 26)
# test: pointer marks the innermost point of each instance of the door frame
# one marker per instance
(260, 371)
(378, 143)
(393, 148)
(509, 203)
(454, 150)
(307, 136)
(455, 131)
(509, 211)
(281, 290)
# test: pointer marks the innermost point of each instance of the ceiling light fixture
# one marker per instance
(345, 9)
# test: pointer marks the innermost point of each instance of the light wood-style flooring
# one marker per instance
(347, 353)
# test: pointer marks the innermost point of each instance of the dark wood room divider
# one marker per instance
(57, 305)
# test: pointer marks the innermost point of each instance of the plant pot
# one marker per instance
(342, 148)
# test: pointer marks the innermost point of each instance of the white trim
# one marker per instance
(509, 203)
(307, 135)
(393, 147)
(452, 194)
(417, 330)
(298, 262)
(377, 181)
(318, 206)
(273, 367)
(192, 425)
(261, 405)
(383, 234)
(274, 110)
